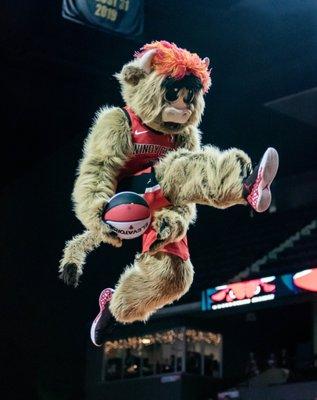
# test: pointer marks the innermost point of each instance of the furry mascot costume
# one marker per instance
(163, 88)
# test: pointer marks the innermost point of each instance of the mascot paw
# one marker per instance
(109, 236)
(70, 274)
(170, 227)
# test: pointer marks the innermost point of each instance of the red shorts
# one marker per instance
(179, 249)
(145, 184)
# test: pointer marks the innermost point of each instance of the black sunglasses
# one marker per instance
(172, 94)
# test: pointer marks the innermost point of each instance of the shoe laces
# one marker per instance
(106, 295)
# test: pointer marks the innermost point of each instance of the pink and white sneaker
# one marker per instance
(256, 187)
(104, 322)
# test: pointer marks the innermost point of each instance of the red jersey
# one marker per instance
(148, 146)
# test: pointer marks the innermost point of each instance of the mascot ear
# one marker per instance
(132, 74)
(146, 60)
(206, 61)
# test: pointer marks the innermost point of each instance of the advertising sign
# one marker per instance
(259, 290)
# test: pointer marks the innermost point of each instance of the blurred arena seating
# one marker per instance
(234, 247)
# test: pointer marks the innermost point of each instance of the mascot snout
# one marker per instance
(179, 116)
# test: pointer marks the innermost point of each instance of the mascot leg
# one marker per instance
(217, 178)
(149, 284)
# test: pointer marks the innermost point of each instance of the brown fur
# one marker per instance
(152, 282)
(176, 217)
(207, 176)
(187, 176)
(106, 149)
(144, 94)
(108, 145)
(76, 250)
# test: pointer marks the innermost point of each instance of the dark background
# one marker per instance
(55, 74)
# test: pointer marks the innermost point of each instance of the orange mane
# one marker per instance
(173, 61)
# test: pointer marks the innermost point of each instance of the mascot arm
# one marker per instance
(171, 223)
(106, 149)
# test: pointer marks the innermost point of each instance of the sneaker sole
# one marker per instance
(103, 300)
(265, 199)
(269, 165)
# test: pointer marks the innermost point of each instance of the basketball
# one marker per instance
(128, 214)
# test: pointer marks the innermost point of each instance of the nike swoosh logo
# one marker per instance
(140, 133)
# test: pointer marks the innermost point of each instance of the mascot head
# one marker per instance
(164, 85)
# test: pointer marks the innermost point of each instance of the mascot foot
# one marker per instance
(105, 321)
(256, 187)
